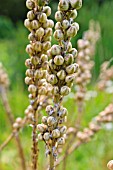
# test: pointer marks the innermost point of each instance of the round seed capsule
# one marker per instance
(61, 141)
(59, 16)
(58, 26)
(30, 4)
(71, 32)
(58, 60)
(51, 120)
(73, 14)
(29, 49)
(69, 59)
(55, 50)
(75, 24)
(44, 119)
(35, 24)
(28, 80)
(61, 74)
(40, 32)
(63, 129)
(37, 46)
(41, 127)
(65, 24)
(65, 90)
(64, 5)
(46, 136)
(30, 15)
(77, 4)
(49, 109)
(29, 72)
(42, 17)
(47, 10)
(27, 23)
(52, 79)
(55, 133)
(46, 45)
(35, 60)
(58, 34)
(32, 88)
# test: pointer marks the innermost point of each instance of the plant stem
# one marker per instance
(51, 161)
(11, 119)
(6, 142)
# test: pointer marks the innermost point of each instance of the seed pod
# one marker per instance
(50, 23)
(55, 133)
(42, 90)
(49, 109)
(61, 141)
(37, 46)
(27, 23)
(44, 57)
(110, 165)
(28, 63)
(19, 120)
(55, 50)
(46, 45)
(63, 112)
(71, 32)
(63, 129)
(40, 136)
(38, 74)
(64, 90)
(58, 34)
(44, 119)
(58, 26)
(28, 80)
(42, 17)
(75, 24)
(29, 49)
(63, 5)
(46, 136)
(69, 47)
(29, 72)
(73, 14)
(15, 126)
(55, 90)
(52, 79)
(47, 10)
(31, 37)
(61, 74)
(72, 68)
(41, 2)
(30, 15)
(30, 4)
(51, 120)
(35, 24)
(74, 52)
(40, 32)
(32, 88)
(41, 128)
(65, 24)
(35, 60)
(77, 4)
(48, 32)
(69, 59)
(58, 60)
(59, 16)
(70, 78)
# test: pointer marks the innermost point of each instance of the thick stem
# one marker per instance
(11, 119)
(51, 161)
(34, 147)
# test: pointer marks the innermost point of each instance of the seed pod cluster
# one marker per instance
(105, 116)
(40, 28)
(61, 74)
(105, 77)
(4, 80)
(17, 125)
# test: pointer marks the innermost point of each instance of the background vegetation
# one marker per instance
(13, 39)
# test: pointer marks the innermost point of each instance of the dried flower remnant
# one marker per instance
(61, 74)
(40, 41)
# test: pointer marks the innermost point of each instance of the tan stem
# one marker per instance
(5, 143)
(34, 140)
(11, 119)
(51, 162)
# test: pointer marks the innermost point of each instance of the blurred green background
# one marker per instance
(13, 40)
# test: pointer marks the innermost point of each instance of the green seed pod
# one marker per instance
(61, 74)
(69, 46)
(29, 49)
(74, 52)
(52, 79)
(69, 79)
(49, 53)
(63, 129)
(46, 45)
(55, 133)
(37, 46)
(38, 74)
(58, 26)
(55, 90)
(58, 34)
(72, 68)
(63, 112)
(31, 37)
(65, 24)
(77, 4)
(29, 72)
(50, 23)
(75, 24)
(35, 24)
(41, 2)
(51, 121)
(28, 80)
(44, 119)
(42, 90)
(40, 136)
(30, 15)
(30, 4)
(58, 60)
(44, 57)
(46, 136)
(61, 141)
(39, 32)
(27, 23)
(32, 88)
(59, 16)
(73, 14)
(35, 60)
(69, 59)
(64, 5)
(47, 10)
(42, 17)
(41, 128)
(55, 50)
(48, 32)
(49, 109)
(71, 32)
(65, 90)
(28, 63)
